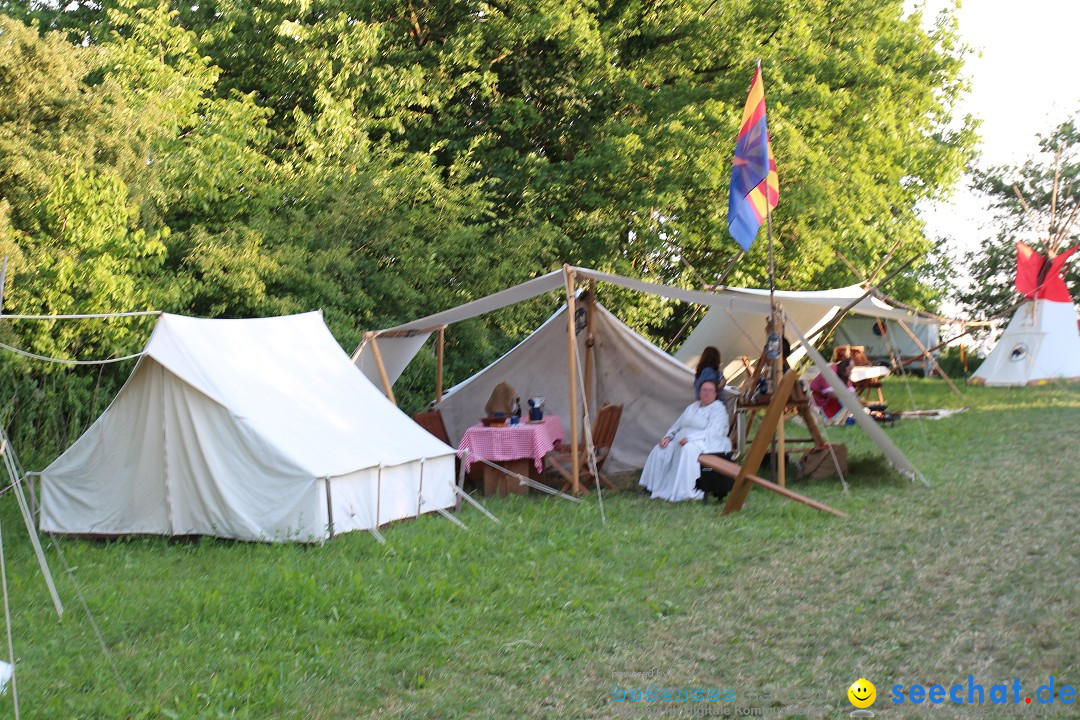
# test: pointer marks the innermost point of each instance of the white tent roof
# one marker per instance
(741, 331)
(1040, 344)
(734, 322)
(242, 428)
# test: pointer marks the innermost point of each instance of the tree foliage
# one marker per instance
(1046, 219)
(383, 160)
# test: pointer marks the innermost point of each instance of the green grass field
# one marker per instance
(539, 617)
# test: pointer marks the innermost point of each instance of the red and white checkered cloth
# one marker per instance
(513, 442)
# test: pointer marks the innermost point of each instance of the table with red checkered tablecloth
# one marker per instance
(512, 442)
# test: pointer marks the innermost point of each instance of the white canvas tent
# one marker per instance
(736, 327)
(739, 332)
(256, 429)
(1040, 344)
(882, 347)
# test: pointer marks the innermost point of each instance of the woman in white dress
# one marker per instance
(672, 469)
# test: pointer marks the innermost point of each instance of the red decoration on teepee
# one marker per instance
(1038, 278)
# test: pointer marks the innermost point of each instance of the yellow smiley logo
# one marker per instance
(862, 693)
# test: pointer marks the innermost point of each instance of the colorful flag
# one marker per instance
(753, 173)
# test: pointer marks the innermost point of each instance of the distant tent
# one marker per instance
(256, 429)
(1042, 342)
(882, 345)
(653, 387)
(738, 332)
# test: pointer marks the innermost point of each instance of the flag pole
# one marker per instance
(779, 470)
(778, 464)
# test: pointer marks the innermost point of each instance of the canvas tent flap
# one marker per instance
(396, 353)
(236, 428)
(504, 298)
(71, 487)
(740, 333)
(736, 331)
(734, 319)
(398, 345)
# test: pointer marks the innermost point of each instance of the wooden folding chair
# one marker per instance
(604, 429)
(432, 422)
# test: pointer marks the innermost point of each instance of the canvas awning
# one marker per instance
(734, 322)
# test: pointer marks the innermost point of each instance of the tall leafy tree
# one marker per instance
(1037, 202)
(386, 159)
(68, 220)
(601, 133)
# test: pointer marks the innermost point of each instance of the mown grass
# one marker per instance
(976, 574)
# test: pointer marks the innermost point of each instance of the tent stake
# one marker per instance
(329, 508)
(420, 490)
(460, 487)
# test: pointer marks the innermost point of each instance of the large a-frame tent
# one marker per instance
(1042, 340)
(384, 354)
(257, 429)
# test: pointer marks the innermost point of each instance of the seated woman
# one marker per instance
(824, 395)
(672, 469)
(708, 368)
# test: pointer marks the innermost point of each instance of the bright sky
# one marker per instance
(1023, 82)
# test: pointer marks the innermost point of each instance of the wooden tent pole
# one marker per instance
(942, 344)
(720, 464)
(827, 330)
(778, 459)
(439, 365)
(571, 356)
(387, 387)
(928, 356)
(591, 308)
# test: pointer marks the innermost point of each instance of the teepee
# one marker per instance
(1042, 340)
